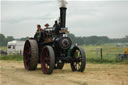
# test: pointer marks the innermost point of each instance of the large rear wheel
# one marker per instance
(79, 59)
(30, 54)
(47, 60)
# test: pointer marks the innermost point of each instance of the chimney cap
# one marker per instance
(63, 8)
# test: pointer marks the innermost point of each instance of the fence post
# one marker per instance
(101, 53)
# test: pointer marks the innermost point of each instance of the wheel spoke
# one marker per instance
(75, 64)
(79, 59)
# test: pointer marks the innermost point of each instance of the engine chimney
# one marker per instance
(62, 17)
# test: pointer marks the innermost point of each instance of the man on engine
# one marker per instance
(39, 28)
(39, 36)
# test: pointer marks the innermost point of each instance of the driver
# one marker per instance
(39, 28)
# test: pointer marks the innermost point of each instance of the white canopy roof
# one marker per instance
(16, 42)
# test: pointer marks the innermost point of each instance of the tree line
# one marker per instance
(96, 40)
(4, 40)
(92, 40)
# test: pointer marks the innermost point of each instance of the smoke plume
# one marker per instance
(62, 3)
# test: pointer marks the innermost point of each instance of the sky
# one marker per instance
(84, 17)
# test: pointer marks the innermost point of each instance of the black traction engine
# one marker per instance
(52, 48)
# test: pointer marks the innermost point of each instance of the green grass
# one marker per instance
(110, 51)
(3, 48)
(11, 57)
(109, 54)
(106, 61)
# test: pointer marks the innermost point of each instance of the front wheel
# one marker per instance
(47, 60)
(79, 59)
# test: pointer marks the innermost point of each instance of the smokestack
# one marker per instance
(62, 17)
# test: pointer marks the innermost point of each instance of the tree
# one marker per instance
(100, 42)
(3, 41)
(26, 38)
(9, 38)
(126, 36)
(92, 40)
(72, 37)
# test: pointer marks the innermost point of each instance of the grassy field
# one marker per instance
(10, 57)
(3, 48)
(110, 51)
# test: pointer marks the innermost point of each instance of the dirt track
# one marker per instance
(13, 73)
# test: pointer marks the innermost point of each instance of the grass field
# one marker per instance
(110, 51)
(10, 57)
(3, 48)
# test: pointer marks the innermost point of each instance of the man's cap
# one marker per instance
(47, 24)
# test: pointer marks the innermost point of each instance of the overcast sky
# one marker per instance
(84, 17)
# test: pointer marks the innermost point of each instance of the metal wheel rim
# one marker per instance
(45, 60)
(78, 60)
(27, 54)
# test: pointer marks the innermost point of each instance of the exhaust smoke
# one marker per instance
(62, 3)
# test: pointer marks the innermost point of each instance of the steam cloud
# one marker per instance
(62, 3)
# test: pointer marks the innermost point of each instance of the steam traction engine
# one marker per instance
(52, 48)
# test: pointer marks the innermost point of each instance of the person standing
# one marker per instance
(39, 28)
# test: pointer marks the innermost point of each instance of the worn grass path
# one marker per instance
(13, 73)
